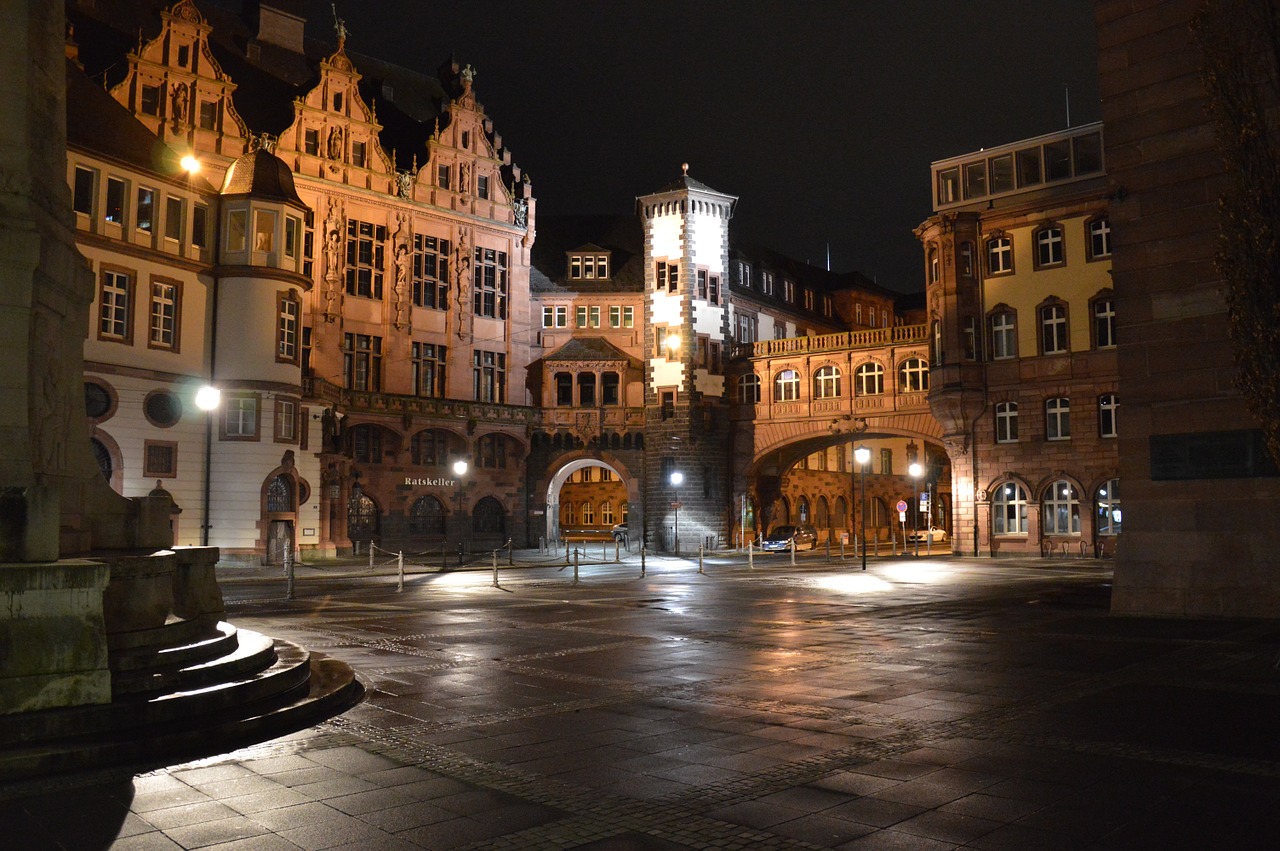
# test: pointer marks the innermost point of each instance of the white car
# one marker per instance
(925, 535)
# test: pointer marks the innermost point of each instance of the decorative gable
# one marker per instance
(178, 90)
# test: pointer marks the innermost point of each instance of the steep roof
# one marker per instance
(621, 236)
(590, 349)
(263, 175)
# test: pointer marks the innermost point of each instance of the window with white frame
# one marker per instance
(555, 316)
(999, 255)
(786, 386)
(869, 379)
(165, 304)
(622, 316)
(667, 276)
(1006, 422)
(748, 327)
(913, 376)
(1049, 248)
(744, 274)
(1108, 410)
(1057, 418)
(1009, 510)
(606, 513)
(1104, 323)
(1061, 515)
(588, 266)
(240, 417)
(766, 282)
(286, 420)
(1108, 508)
(1004, 336)
(588, 316)
(788, 291)
(749, 389)
(115, 294)
(288, 327)
(588, 514)
(826, 383)
(1099, 238)
(1053, 329)
(857, 314)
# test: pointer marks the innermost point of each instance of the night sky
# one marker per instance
(821, 116)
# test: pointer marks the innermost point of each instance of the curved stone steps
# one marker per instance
(215, 661)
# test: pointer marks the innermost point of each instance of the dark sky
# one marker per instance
(821, 116)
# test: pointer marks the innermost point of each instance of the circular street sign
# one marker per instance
(902, 505)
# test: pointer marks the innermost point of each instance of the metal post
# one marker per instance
(288, 572)
(575, 565)
(604, 550)
(371, 555)
(511, 552)
(566, 551)
(642, 552)
(855, 548)
(793, 550)
(862, 474)
(542, 544)
(700, 570)
(828, 549)
(617, 551)
(495, 568)
(751, 555)
(400, 571)
(915, 513)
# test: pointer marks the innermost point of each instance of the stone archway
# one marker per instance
(572, 463)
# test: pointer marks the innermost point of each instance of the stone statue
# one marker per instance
(179, 98)
(335, 143)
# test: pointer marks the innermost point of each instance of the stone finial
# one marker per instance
(684, 169)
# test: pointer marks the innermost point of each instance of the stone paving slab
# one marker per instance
(930, 703)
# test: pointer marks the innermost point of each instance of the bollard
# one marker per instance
(542, 544)
(751, 555)
(793, 551)
(511, 552)
(400, 571)
(604, 550)
(700, 570)
(828, 551)
(288, 574)
(371, 555)
(617, 551)
(575, 565)
(566, 551)
(495, 568)
(642, 551)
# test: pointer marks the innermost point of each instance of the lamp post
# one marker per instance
(459, 470)
(207, 400)
(676, 479)
(862, 455)
(915, 470)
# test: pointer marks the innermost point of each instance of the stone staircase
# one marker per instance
(186, 684)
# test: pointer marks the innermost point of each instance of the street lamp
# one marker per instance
(862, 455)
(915, 470)
(459, 470)
(676, 479)
(207, 399)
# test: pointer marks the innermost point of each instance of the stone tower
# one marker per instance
(686, 329)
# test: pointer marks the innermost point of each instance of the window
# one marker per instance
(159, 459)
(786, 386)
(588, 514)
(748, 328)
(491, 451)
(1061, 514)
(237, 229)
(934, 265)
(490, 292)
(1006, 422)
(1057, 418)
(868, 380)
(588, 266)
(564, 389)
(362, 362)
(788, 291)
(1009, 510)
(808, 299)
(1099, 238)
(568, 514)
(311, 141)
(970, 333)
(999, 255)
(146, 209)
(949, 186)
(489, 376)
(114, 211)
(431, 272)
(162, 409)
(555, 316)
(587, 389)
(857, 314)
(430, 448)
(114, 295)
(286, 420)
(1108, 508)
(588, 316)
(365, 246)
(173, 208)
(744, 275)
(871, 316)
(426, 516)
(443, 173)
(610, 389)
(607, 517)
(240, 417)
(292, 226)
(766, 282)
(966, 259)
(623, 316)
(828, 306)
(702, 283)
(1086, 153)
(975, 179)
(150, 100)
(668, 402)
(1001, 173)
(85, 181)
(366, 444)
(1004, 336)
(428, 369)
(1104, 323)
(1053, 329)
(713, 289)
(668, 276)
(886, 462)
(482, 186)
(1108, 409)
(200, 225)
(357, 153)
(1057, 160)
(913, 376)
(749, 389)
(1049, 246)
(164, 315)
(264, 230)
(1028, 165)
(826, 383)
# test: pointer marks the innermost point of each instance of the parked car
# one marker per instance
(620, 533)
(780, 537)
(925, 535)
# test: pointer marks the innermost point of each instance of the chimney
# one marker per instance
(278, 22)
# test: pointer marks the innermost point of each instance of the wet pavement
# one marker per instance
(929, 703)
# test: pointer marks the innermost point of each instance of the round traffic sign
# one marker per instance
(902, 505)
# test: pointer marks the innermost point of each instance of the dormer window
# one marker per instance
(588, 266)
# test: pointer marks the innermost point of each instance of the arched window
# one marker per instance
(840, 513)
(103, 456)
(494, 451)
(1009, 510)
(489, 518)
(366, 444)
(280, 495)
(426, 516)
(588, 514)
(362, 517)
(822, 514)
(1108, 508)
(802, 510)
(749, 389)
(430, 448)
(606, 513)
(786, 387)
(913, 376)
(869, 380)
(826, 383)
(1061, 515)
(878, 512)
